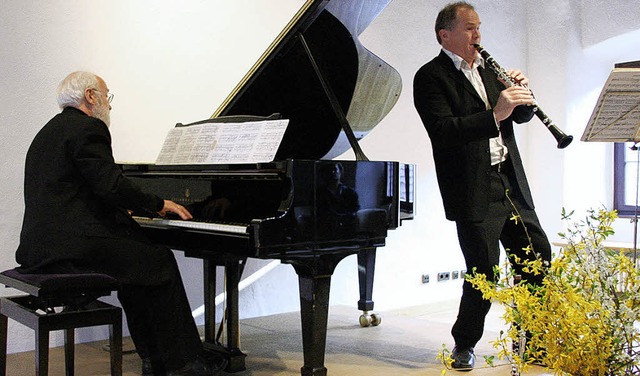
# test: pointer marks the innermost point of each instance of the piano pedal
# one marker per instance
(372, 319)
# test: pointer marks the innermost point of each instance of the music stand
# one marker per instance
(616, 118)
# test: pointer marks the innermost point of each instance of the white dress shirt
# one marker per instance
(497, 146)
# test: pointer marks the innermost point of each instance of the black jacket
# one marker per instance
(73, 191)
(460, 127)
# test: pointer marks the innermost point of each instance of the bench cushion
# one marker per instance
(54, 284)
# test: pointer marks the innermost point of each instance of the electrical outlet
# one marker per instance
(425, 278)
(454, 274)
(462, 273)
(443, 276)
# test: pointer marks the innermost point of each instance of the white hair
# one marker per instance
(71, 89)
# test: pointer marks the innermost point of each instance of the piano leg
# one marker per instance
(314, 279)
(314, 311)
(233, 273)
(366, 269)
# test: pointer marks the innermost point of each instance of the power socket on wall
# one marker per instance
(445, 276)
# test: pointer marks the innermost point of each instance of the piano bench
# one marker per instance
(60, 302)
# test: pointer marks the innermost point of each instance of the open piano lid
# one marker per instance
(319, 76)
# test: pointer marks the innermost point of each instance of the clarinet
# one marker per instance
(563, 139)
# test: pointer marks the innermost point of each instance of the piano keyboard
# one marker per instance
(206, 226)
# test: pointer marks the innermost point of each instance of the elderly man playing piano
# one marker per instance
(76, 220)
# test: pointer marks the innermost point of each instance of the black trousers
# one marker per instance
(151, 293)
(479, 242)
(160, 321)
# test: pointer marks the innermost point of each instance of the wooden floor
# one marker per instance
(406, 343)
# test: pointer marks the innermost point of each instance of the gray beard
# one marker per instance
(102, 112)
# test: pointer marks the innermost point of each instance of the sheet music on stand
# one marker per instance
(616, 116)
(226, 142)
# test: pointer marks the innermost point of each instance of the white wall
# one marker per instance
(168, 62)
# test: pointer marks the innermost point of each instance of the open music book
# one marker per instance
(223, 142)
(616, 116)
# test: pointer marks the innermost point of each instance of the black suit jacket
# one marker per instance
(73, 192)
(460, 127)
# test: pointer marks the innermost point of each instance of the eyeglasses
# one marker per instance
(109, 95)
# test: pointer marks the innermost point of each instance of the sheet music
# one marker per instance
(616, 117)
(223, 143)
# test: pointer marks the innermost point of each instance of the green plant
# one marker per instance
(580, 321)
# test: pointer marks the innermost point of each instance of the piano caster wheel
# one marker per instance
(367, 319)
(376, 319)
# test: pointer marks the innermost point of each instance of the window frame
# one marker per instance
(619, 180)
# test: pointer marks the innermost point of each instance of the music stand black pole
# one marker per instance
(635, 209)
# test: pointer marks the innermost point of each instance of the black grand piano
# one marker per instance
(303, 208)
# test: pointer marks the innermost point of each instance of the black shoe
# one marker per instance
(463, 359)
(147, 368)
(201, 367)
